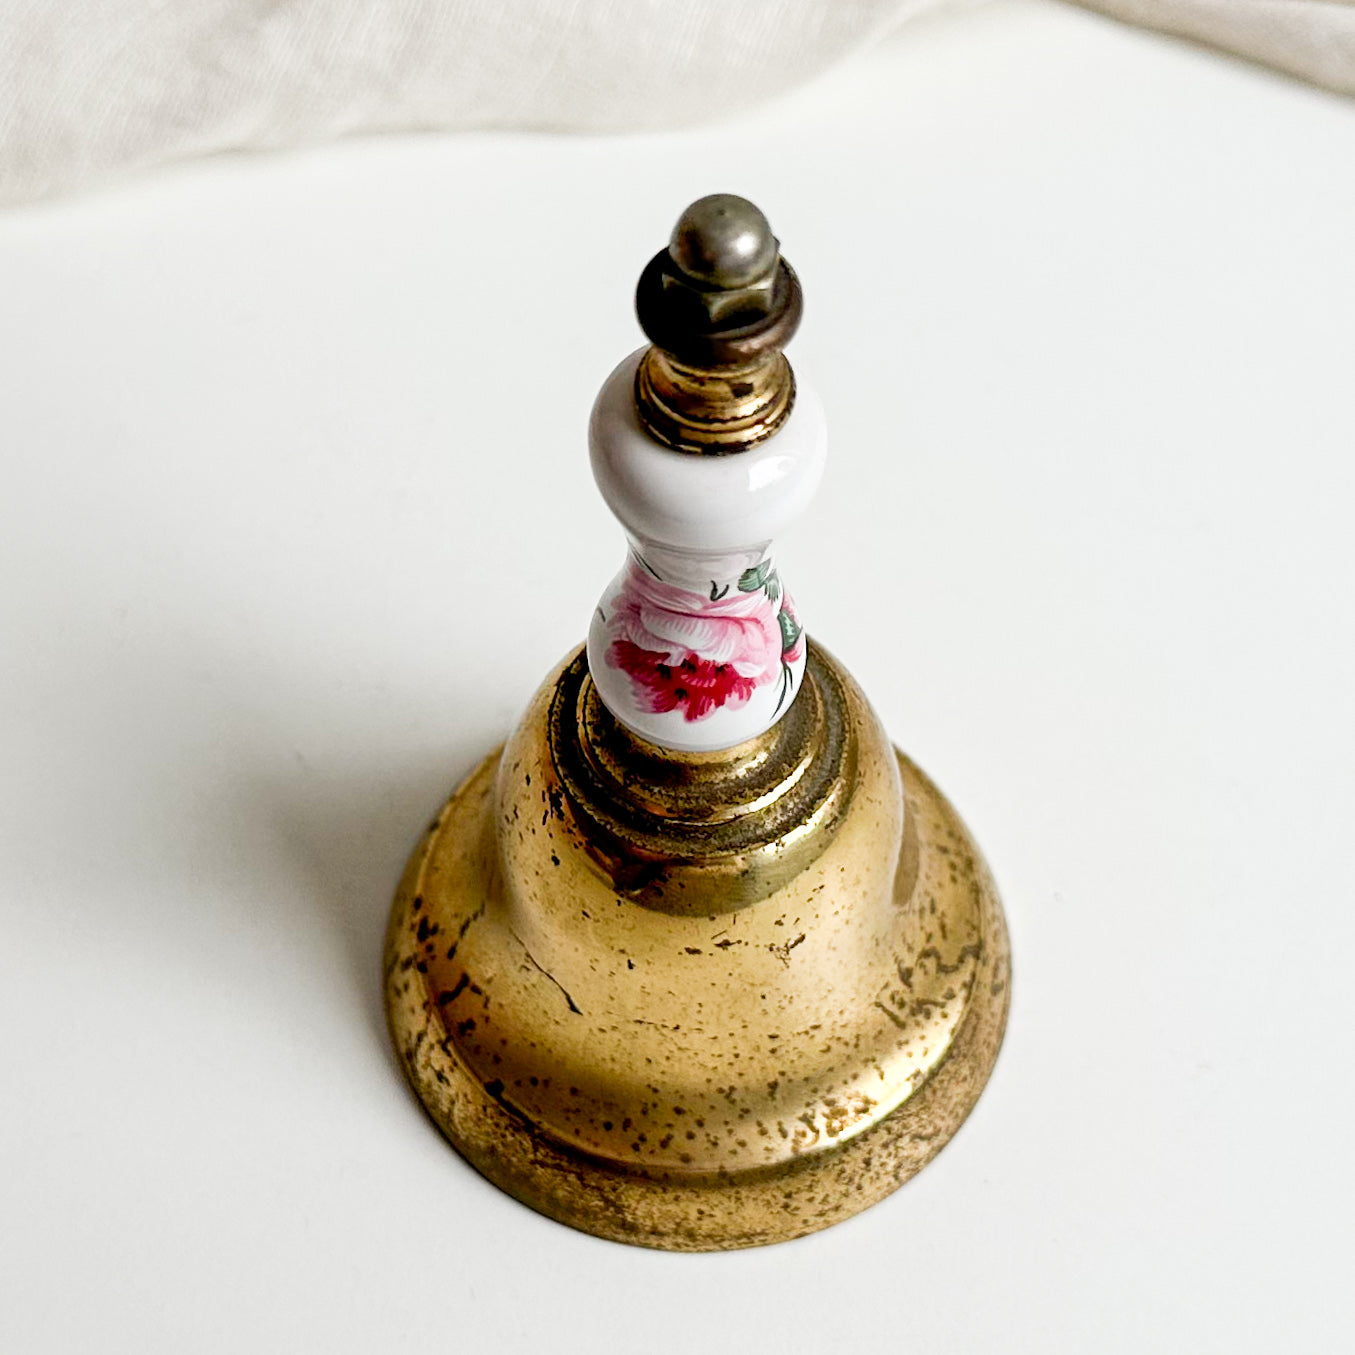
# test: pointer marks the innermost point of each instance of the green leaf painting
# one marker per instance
(753, 579)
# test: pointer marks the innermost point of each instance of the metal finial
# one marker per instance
(724, 241)
(719, 305)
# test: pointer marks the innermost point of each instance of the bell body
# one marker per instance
(738, 1017)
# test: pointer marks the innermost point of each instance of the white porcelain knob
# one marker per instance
(696, 644)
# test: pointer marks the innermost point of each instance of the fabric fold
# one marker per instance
(92, 90)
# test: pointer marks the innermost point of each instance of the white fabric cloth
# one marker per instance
(93, 88)
(1313, 39)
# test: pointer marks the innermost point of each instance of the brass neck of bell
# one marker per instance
(713, 410)
(705, 833)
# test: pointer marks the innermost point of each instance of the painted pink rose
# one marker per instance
(684, 650)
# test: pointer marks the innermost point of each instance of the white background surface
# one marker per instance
(295, 514)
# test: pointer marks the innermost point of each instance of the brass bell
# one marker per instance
(699, 960)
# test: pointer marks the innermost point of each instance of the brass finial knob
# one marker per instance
(719, 305)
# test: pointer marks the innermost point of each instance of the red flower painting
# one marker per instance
(685, 651)
(695, 685)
